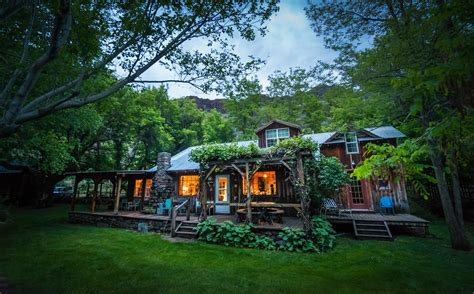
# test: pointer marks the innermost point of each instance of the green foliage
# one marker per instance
(224, 152)
(216, 128)
(295, 240)
(325, 176)
(227, 152)
(406, 160)
(233, 235)
(323, 234)
(4, 210)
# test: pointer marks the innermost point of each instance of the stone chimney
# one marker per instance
(163, 184)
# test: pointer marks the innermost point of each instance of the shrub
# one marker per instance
(295, 240)
(323, 233)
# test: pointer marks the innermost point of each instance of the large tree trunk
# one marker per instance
(456, 231)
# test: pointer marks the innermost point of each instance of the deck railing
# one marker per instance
(174, 214)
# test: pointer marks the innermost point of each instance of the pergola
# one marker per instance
(247, 167)
(115, 177)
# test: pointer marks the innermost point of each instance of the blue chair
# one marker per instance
(386, 203)
(164, 207)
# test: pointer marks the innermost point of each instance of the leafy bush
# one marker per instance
(330, 176)
(323, 233)
(295, 240)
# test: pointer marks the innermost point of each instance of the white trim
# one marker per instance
(278, 137)
(356, 143)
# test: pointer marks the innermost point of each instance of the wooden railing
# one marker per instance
(174, 213)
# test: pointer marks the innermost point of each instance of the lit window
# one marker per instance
(352, 147)
(273, 136)
(188, 185)
(138, 188)
(263, 183)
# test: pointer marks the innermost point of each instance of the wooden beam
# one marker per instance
(143, 191)
(74, 193)
(249, 205)
(238, 169)
(94, 195)
(285, 165)
(117, 195)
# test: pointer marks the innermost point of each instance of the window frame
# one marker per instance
(277, 137)
(180, 186)
(356, 143)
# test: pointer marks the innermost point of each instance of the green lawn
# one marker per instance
(41, 252)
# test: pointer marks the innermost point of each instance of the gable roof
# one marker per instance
(181, 161)
(292, 125)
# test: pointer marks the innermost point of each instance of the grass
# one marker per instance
(40, 252)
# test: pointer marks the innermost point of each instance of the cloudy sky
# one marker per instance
(289, 42)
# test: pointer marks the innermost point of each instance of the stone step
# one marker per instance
(184, 234)
(187, 228)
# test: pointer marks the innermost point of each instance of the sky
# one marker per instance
(288, 43)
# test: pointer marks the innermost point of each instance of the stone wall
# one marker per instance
(117, 221)
(163, 184)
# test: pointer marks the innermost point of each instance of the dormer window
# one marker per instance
(352, 147)
(274, 136)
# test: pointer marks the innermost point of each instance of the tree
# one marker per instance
(216, 129)
(422, 57)
(53, 50)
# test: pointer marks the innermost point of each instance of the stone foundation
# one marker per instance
(117, 221)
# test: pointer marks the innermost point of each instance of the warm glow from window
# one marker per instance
(263, 183)
(188, 185)
(138, 188)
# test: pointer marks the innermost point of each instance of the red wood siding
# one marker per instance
(261, 135)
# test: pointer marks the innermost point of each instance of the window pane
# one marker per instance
(188, 185)
(283, 133)
(352, 148)
(351, 137)
(271, 142)
(271, 134)
(263, 183)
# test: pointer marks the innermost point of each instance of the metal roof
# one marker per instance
(182, 162)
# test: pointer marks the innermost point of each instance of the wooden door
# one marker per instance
(359, 194)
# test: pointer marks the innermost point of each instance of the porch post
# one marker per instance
(74, 193)
(249, 205)
(94, 194)
(204, 199)
(117, 194)
(142, 194)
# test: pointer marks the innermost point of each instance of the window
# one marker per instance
(188, 185)
(263, 183)
(352, 147)
(138, 188)
(273, 136)
(356, 192)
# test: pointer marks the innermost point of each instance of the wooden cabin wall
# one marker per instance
(262, 143)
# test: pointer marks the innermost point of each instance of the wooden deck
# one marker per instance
(402, 219)
(404, 223)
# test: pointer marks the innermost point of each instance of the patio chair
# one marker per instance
(164, 207)
(386, 203)
(330, 206)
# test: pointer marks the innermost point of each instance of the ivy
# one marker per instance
(227, 152)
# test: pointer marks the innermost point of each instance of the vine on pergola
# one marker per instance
(290, 153)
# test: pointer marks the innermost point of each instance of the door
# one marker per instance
(222, 194)
(358, 194)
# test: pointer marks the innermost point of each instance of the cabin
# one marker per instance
(226, 185)
(176, 194)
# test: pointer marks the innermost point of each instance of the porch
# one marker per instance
(398, 223)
